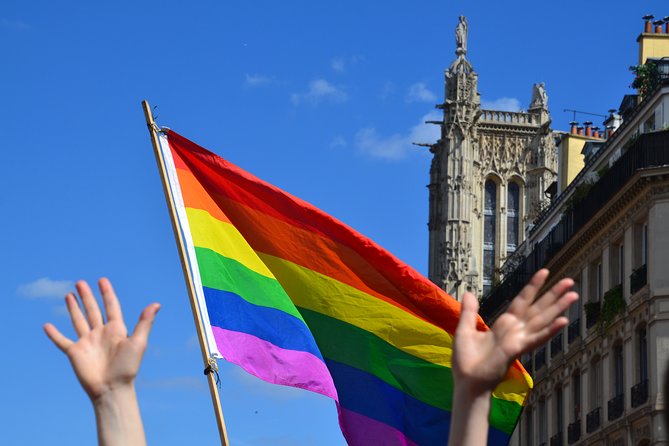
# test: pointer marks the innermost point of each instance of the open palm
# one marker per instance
(104, 356)
(482, 358)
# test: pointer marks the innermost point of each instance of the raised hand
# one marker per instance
(482, 358)
(106, 360)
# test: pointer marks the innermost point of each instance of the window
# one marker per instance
(512, 219)
(543, 417)
(596, 281)
(642, 347)
(559, 405)
(489, 234)
(617, 263)
(595, 384)
(529, 431)
(618, 370)
(576, 396)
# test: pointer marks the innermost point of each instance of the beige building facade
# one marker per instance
(601, 380)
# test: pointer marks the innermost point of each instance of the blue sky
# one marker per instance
(320, 98)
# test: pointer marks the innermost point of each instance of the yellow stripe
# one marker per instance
(317, 292)
(225, 239)
(313, 291)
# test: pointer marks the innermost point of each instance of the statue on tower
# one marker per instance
(461, 37)
(539, 97)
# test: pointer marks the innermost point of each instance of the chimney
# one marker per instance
(666, 24)
(588, 128)
(648, 26)
(609, 131)
(573, 125)
(658, 26)
(579, 130)
(595, 132)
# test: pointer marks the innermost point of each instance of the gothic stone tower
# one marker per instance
(488, 179)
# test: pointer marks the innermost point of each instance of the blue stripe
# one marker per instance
(231, 312)
(369, 396)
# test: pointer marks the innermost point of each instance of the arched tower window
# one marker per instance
(512, 218)
(489, 232)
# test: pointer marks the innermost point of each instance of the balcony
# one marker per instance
(574, 432)
(593, 420)
(638, 278)
(573, 330)
(540, 358)
(649, 150)
(556, 345)
(639, 393)
(616, 407)
(556, 440)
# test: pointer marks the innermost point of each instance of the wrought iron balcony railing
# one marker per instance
(574, 432)
(556, 440)
(593, 420)
(638, 278)
(616, 407)
(573, 330)
(639, 393)
(649, 150)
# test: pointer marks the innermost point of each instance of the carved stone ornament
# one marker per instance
(461, 36)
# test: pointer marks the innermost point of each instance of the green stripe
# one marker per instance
(353, 346)
(226, 274)
(504, 415)
(430, 383)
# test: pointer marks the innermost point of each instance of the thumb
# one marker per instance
(468, 313)
(143, 327)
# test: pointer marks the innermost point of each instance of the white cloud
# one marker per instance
(46, 287)
(418, 92)
(338, 141)
(320, 90)
(258, 80)
(397, 146)
(502, 104)
(338, 64)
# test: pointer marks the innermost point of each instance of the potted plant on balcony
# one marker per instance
(614, 304)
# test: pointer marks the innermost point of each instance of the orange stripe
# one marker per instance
(195, 196)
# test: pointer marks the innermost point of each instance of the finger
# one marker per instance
(112, 306)
(79, 322)
(90, 304)
(62, 342)
(551, 296)
(542, 336)
(468, 312)
(143, 327)
(546, 317)
(527, 295)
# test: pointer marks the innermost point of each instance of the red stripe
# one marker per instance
(227, 180)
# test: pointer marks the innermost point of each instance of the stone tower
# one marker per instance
(488, 179)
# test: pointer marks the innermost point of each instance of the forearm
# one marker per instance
(118, 419)
(469, 419)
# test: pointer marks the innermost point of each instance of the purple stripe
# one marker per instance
(274, 364)
(359, 429)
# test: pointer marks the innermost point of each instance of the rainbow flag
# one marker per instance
(298, 298)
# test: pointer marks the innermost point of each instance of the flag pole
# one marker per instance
(206, 354)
